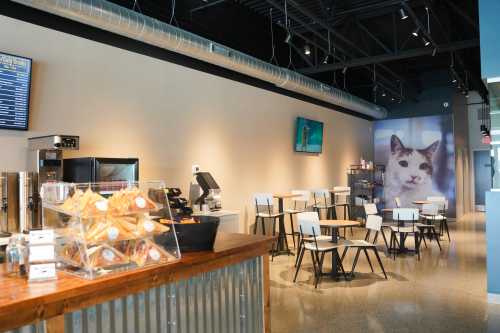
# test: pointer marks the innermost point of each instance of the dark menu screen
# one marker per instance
(15, 76)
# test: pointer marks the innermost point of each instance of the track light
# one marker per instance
(392, 99)
(454, 80)
(325, 61)
(288, 38)
(434, 52)
(384, 94)
(416, 31)
(425, 41)
(344, 70)
(307, 50)
(402, 13)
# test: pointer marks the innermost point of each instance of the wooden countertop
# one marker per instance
(22, 303)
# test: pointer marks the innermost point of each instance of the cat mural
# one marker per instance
(409, 173)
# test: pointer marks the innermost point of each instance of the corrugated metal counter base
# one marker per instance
(225, 300)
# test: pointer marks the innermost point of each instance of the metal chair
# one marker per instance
(309, 226)
(401, 217)
(264, 201)
(442, 204)
(373, 223)
(299, 206)
(372, 210)
(342, 199)
(322, 202)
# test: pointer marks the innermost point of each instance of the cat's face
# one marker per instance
(411, 167)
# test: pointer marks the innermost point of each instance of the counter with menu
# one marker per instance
(224, 290)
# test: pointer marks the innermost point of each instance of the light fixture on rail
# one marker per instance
(425, 41)
(434, 52)
(288, 38)
(416, 32)
(403, 14)
(383, 93)
(307, 50)
(325, 60)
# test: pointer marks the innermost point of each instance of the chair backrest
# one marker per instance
(441, 202)
(263, 199)
(374, 222)
(309, 223)
(430, 209)
(342, 190)
(397, 200)
(321, 194)
(304, 195)
(405, 214)
(370, 209)
(342, 194)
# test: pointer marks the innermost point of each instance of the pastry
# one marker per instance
(86, 203)
(105, 256)
(144, 252)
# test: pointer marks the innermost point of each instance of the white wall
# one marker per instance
(123, 104)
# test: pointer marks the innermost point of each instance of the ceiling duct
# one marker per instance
(108, 16)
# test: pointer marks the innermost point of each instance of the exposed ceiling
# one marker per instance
(371, 50)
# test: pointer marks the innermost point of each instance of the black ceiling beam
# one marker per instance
(476, 80)
(326, 26)
(276, 5)
(387, 82)
(207, 5)
(451, 47)
(301, 54)
(464, 15)
(373, 37)
(419, 24)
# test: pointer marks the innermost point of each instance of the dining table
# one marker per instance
(334, 226)
(282, 244)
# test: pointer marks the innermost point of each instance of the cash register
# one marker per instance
(209, 192)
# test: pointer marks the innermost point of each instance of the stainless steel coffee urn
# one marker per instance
(9, 196)
(29, 205)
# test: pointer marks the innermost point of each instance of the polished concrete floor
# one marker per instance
(444, 292)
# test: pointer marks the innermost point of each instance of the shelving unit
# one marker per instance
(367, 186)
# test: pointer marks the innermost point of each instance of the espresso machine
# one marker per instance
(45, 161)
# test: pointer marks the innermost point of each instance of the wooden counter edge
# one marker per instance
(52, 307)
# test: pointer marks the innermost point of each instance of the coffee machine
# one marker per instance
(45, 162)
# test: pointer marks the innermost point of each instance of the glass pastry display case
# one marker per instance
(103, 228)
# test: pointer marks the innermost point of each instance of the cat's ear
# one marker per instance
(429, 151)
(396, 144)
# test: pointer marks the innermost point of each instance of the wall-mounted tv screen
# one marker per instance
(15, 77)
(309, 137)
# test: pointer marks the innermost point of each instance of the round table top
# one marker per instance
(421, 202)
(286, 195)
(338, 223)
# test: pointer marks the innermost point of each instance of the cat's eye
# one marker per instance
(424, 166)
(404, 164)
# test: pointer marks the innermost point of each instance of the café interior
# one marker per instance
(249, 166)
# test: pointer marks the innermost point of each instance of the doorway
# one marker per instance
(482, 177)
